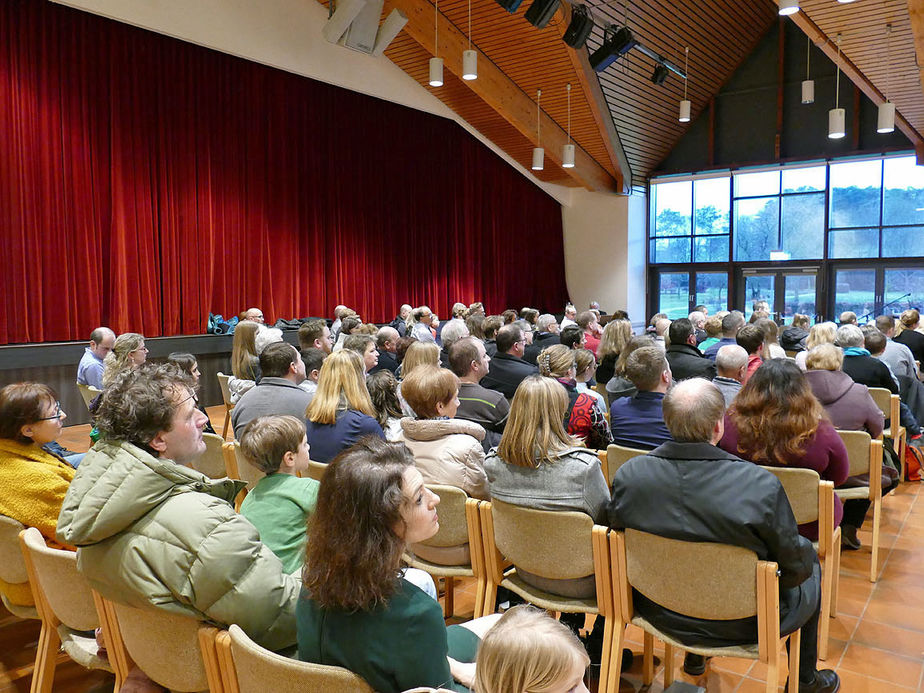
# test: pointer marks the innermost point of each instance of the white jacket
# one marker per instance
(448, 451)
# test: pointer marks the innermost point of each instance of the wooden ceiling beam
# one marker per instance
(502, 94)
(916, 12)
(828, 46)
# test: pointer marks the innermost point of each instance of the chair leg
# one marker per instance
(874, 558)
(900, 443)
(224, 429)
(795, 643)
(668, 665)
(835, 583)
(490, 597)
(46, 659)
(606, 657)
(648, 659)
(615, 666)
(480, 588)
(448, 601)
(827, 573)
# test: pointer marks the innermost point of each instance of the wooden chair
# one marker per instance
(812, 500)
(89, 393)
(316, 470)
(889, 406)
(865, 455)
(65, 604)
(212, 461)
(226, 397)
(456, 550)
(248, 668)
(702, 580)
(551, 544)
(237, 467)
(13, 570)
(614, 457)
(177, 652)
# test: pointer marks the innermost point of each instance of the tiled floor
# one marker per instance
(877, 639)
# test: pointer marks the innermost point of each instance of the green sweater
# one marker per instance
(279, 506)
(394, 647)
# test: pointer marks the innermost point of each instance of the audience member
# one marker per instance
(188, 364)
(340, 412)
(507, 368)
(530, 351)
(731, 323)
(546, 331)
(265, 337)
(758, 315)
(896, 355)
(701, 308)
(820, 333)
(458, 311)
(356, 611)
(313, 360)
(620, 385)
(348, 323)
(386, 342)
(281, 502)
(569, 317)
(530, 315)
(399, 324)
(33, 481)
(661, 327)
(171, 539)
(364, 345)
(90, 368)
(588, 322)
(253, 315)
(848, 317)
(616, 335)
(278, 392)
(245, 364)
(685, 359)
(751, 339)
(487, 408)
(340, 312)
(713, 328)
(731, 364)
(776, 420)
(476, 308)
(490, 326)
(453, 331)
(419, 354)
(698, 320)
(772, 348)
(128, 352)
(585, 368)
(858, 363)
(475, 324)
(383, 393)
(572, 337)
(315, 334)
(794, 336)
(729, 503)
(637, 422)
(583, 418)
(418, 324)
(910, 322)
(509, 316)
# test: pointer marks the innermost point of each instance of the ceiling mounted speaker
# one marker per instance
(579, 28)
(510, 5)
(659, 75)
(541, 12)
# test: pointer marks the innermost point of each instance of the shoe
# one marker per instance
(849, 539)
(694, 664)
(627, 659)
(826, 681)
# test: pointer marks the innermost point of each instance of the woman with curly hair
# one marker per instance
(616, 336)
(776, 421)
(356, 610)
(820, 333)
(128, 352)
(583, 418)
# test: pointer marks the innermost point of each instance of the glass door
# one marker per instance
(787, 292)
(678, 292)
(872, 291)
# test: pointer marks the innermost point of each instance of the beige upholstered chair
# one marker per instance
(248, 668)
(315, 471)
(865, 456)
(556, 545)
(237, 467)
(175, 651)
(456, 550)
(812, 500)
(12, 567)
(212, 461)
(614, 457)
(702, 580)
(65, 603)
(88, 392)
(226, 397)
(889, 405)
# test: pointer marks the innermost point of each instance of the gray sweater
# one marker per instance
(272, 397)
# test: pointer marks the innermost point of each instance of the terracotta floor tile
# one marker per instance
(733, 665)
(857, 683)
(842, 627)
(902, 615)
(889, 638)
(884, 665)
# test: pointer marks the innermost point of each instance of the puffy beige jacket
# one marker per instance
(448, 451)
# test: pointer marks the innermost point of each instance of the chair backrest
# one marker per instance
(550, 543)
(858, 450)
(245, 471)
(453, 525)
(801, 486)
(212, 461)
(66, 591)
(315, 470)
(88, 392)
(12, 567)
(698, 579)
(618, 455)
(883, 400)
(164, 645)
(256, 670)
(225, 388)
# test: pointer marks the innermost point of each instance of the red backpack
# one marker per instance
(914, 462)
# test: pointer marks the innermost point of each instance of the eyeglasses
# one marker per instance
(59, 413)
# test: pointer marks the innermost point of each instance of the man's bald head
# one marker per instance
(694, 411)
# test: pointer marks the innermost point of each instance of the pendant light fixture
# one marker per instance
(837, 118)
(685, 104)
(538, 152)
(567, 152)
(788, 7)
(887, 108)
(808, 84)
(469, 57)
(436, 63)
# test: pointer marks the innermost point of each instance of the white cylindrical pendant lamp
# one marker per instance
(469, 64)
(886, 117)
(436, 72)
(808, 91)
(567, 156)
(684, 111)
(789, 7)
(538, 158)
(837, 119)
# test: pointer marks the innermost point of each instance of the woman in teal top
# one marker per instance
(355, 611)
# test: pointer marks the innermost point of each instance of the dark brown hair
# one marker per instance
(353, 553)
(267, 439)
(428, 386)
(22, 404)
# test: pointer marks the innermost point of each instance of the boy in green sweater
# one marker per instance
(280, 503)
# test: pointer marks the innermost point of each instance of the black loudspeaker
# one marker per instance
(580, 27)
(510, 5)
(616, 42)
(659, 75)
(541, 12)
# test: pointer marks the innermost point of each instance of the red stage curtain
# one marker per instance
(145, 182)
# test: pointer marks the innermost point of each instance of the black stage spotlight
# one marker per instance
(579, 28)
(541, 12)
(510, 5)
(616, 42)
(659, 75)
